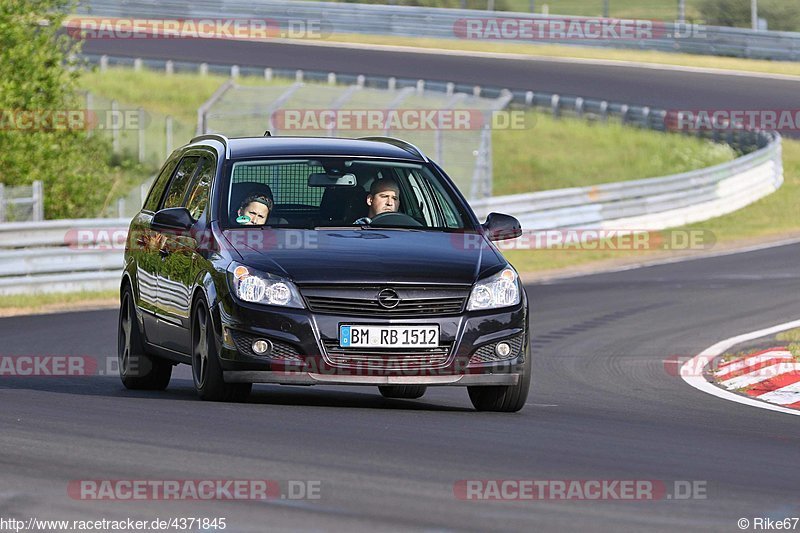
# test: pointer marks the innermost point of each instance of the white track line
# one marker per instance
(700, 361)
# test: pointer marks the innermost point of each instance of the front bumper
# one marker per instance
(309, 336)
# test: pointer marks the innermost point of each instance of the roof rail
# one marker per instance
(215, 137)
(404, 145)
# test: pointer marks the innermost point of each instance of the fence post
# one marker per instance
(38, 201)
(2, 202)
(141, 134)
(89, 105)
(168, 133)
(115, 128)
(121, 208)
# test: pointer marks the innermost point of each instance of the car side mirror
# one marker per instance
(173, 218)
(499, 227)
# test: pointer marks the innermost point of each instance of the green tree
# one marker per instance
(37, 76)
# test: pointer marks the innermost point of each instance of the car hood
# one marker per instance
(367, 255)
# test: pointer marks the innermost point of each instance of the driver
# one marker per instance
(383, 197)
(254, 210)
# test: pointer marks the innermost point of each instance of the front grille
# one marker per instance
(486, 353)
(387, 359)
(280, 350)
(414, 301)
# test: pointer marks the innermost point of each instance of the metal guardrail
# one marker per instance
(406, 21)
(69, 255)
(56, 256)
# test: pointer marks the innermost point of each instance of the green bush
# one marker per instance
(36, 77)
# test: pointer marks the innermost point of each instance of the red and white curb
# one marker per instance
(770, 379)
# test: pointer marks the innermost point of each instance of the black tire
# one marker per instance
(138, 370)
(405, 392)
(206, 369)
(503, 399)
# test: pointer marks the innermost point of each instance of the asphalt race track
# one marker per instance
(604, 406)
(667, 89)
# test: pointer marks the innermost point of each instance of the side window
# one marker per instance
(160, 183)
(422, 200)
(180, 182)
(198, 197)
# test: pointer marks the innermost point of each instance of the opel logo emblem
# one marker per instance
(388, 298)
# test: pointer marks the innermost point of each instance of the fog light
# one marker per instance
(502, 349)
(262, 347)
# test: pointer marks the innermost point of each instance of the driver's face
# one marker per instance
(257, 212)
(383, 202)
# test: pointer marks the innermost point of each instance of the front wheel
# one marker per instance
(206, 369)
(504, 399)
(138, 370)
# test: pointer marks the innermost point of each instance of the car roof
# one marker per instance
(371, 147)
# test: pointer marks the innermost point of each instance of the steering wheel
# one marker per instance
(395, 219)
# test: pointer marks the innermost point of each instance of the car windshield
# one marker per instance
(336, 192)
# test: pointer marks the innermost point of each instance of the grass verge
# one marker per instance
(770, 217)
(56, 302)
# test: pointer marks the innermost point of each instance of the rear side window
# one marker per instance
(198, 197)
(179, 185)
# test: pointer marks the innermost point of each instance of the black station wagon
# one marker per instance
(319, 261)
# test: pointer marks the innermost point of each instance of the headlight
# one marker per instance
(500, 290)
(258, 287)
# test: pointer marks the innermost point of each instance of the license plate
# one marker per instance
(389, 336)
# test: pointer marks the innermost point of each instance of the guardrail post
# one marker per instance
(579, 106)
(115, 128)
(298, 75)
(103, 63)
(38, 201)
(203, 69)
(137, 64)
(168, 133)
(169, 67)
(140, 112)
(361, 80)
(624, 113)
(450, 88)
(2, 202)
(476, 91)
(89, 106)
(268, 74)
(646, 116)
(391, 84)
(555, 103)
(529, 98)
(331, 78)
(604, 111)
(234, 71)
